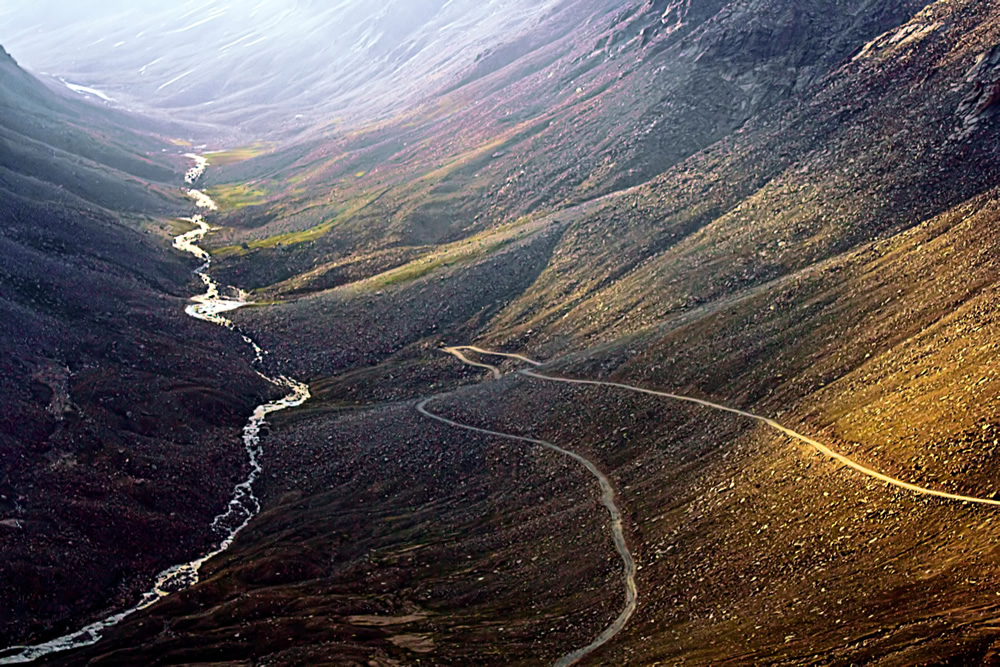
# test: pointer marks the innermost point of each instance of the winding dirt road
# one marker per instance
(607, 499)
(607, 491)
(818, 446)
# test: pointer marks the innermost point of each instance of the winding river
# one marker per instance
(244, 504)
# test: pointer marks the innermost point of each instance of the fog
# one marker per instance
(20, 15)
(243, 61)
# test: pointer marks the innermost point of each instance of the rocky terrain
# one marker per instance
(783, 207)
(113, 400)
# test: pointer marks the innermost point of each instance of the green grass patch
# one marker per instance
(236, 196)
(303, 236)
(461, 252)
(176, 226)
(289, 238)
(222, 158)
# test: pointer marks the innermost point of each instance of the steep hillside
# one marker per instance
(783, 208)
(398, 201)
(565, 123)
(272, 67)
(113, 400)
(760, 233)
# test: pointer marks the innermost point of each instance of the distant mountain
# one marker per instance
(270, 66)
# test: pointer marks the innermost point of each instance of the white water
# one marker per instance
(85, 90)
(244, 504)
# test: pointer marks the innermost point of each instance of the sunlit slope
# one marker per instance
(585, 105)
(878, 149)
(855, 158)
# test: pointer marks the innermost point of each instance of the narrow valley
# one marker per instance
(548, 332)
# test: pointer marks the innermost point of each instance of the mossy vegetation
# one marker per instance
(236, 196)
(460, 252)
(300, 236)
(178, 226)
(235, 155)
(289, 238)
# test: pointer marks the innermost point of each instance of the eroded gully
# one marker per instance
(244, 504)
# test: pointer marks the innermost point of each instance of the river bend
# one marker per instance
(244, 504)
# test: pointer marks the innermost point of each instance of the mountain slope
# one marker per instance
(562, 124)
(788, 208)
(271, 67)
(821, 252)
(112, 397)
